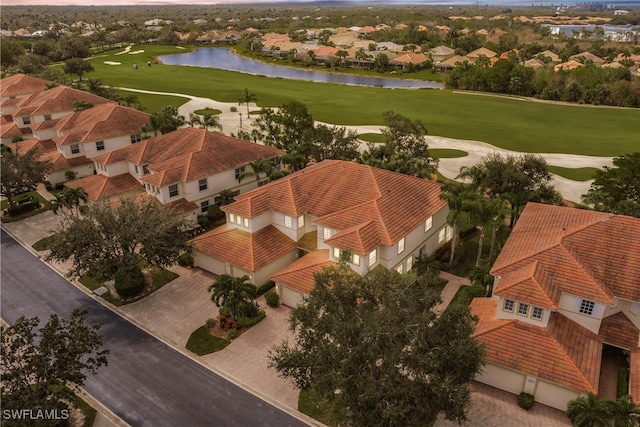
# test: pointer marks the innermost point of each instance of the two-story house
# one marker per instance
(186, 169)
(294, 226)
(567, 286)
(12, 89)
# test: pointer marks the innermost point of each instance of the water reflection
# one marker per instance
(224, 59)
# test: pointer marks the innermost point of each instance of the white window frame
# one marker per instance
(428, 224)
(173, 187)
(355, 259)
(26, 120)
(537, 310)
(136, 138)
(136, 169)
(400, 268)
(442, 234)
(202, 184)
(47, 117)
(336, 253)
(239, 220)
(586, 306)
(409, 263)
(245, 222)
(508, 302)
(75, 148)
(145, 170)
(239, 171)
(401, 243)
(232, 218)
(301, 221)
(204, 206)
(526, 309)
(326, 233)
(288, 221)
(100, 146)
(373, 257)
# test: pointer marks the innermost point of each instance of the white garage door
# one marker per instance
(208, 263)
(554, 395)
(502, 378)
(289, 296)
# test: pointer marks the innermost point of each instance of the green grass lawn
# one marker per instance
(507, 123)
(372, 137)
(447, 153)
(44, 243)
(45, 205)
(201, 342)
(328, 413)
(211, 111)
(576, 174)
(154, 103)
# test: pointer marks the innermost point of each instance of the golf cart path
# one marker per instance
(233, 121)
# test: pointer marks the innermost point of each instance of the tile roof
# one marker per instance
(21, 84)
(530, 283)
(249, 251)
(569, 65)
(619, 331)
(100, 122)
(300, 275)
(188, 154)
(49, 152)
(564, 352)
(353, 199)
(634, 376)
(8, 128)
(410, 57)
(588, 56)
(56, 100)
(584, 253)
(101, 186)
(483, 51)
(309, 241)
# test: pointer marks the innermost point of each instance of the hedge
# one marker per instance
(129, 283)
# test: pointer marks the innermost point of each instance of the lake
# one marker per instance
(224, 59)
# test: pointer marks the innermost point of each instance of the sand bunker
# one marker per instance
(112, 63)
(135, 52)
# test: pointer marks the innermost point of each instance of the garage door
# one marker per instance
(289, 296)
(502, 378)
(554, 395)
(208, 263)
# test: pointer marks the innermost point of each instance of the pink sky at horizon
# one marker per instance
(117, 2)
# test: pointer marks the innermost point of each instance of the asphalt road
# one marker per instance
(146, 383)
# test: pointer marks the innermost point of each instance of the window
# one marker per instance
(232, 218)
(26, 120)
(245, 222)
(523, 309)
(145, 169)
(449, 232)
(204, 206)
(327, 233)
(428, 224)
(373, 257)
(336, 253)
(356, 259)
(238, 220)
(173, 190)
(409, 263)
(135, 168)
(263, 182)
(401, 245)
(239, 171)
(136, 138)
(301, 221)
(508, 305)
(100, 145)
(202, 184)
(75, 148)
(276, 163)
(400, 269)
(442, 234)
(586, 307)
(288, 221)
(537, 313)
(47, 116)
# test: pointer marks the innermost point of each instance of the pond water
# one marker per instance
(224, 59)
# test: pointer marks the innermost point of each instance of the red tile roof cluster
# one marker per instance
(101, 186)
(564, 352)
(100, 122)
(249, 251)
(188, 154)
(49, 152)
(56, 100)
(21, 84)
(555, 249)
(300, 275)
(619, 331)
(367, 206)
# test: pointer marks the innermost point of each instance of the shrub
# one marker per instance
(203, 221)
(185, 259)
(17, 138)
(210, 323)
(525, 400)
(623, 382)
(264, 288)
(224, 311)
(233, 109)
(48, 186)
(214, 213)
(59, 186)
(246, 322)
(231, 334)
(272, 299)
(227, 322)
(69, 175)
(129, 281)
(23, 208)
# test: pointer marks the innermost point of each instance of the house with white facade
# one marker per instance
(566, 294)
(292, 227)
(186, 169)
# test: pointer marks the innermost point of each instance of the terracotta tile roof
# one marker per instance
(45, 124)
(619, 331)
(585, 253)
(410, 57)
(21, 84)
(309, 241)
(634, 377)
(589, 57)
(8, 128)
(189, 154)
(99, 123)
(453, 61)
(531, 283)
(361, 238)
(49, 152)
(483, 51)
(101, 186)
(300, 275)
(55, 100)
(249, 251)
(344, 195)
(564, 352)
(569, 65)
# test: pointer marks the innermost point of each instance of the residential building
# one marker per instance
(21, 85)
(441, 53)
(481, 52)
(307, 220)
(566, 294)
(186, 169)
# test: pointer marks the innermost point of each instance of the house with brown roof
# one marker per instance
(441, 53)
(21, 85)
(185, 169)
(566, 294)
(481, 52)
(292, 227)
(408, 59)
(587, 57)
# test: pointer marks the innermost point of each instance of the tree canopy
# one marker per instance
(166, 120)
(617, 189)
(37, 364)
(77, 66)
(375, 344)
(106, 238)
(21, 171)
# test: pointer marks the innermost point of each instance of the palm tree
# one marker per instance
(480, 276)
(624, 412)
(427, 265)
(589, 411)
(211, 121)
(294, 159)
(455, 194)
(227, 197)
(259, 166)
(484, 212)
(246, 98)
(234, 293)
(73, 197)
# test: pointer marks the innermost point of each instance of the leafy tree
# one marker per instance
(480, 275)
(334, 142)
(246, 98)
(227, 197)
(167, 120)
(404, 150)
(32, 64)
(381, 62)
(19, 172)
(37, 364)
(617, 189)
(108, 238)
(374, 345)
(81, 105)
(589, 411)
(77, 66)
(236, 294)
(289, 128)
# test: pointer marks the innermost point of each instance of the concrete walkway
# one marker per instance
(450, 290)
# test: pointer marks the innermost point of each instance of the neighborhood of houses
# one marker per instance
(566, 286)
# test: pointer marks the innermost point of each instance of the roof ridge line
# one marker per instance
(494, 328)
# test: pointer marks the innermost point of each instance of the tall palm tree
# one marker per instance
(294, 159)
(258, 166)
(211, 121)
(234, 293)
(227, 197)
(427, 265)
(589, 411)
(456, 195)
(246, 98)
(480, 276)
(484, 212)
